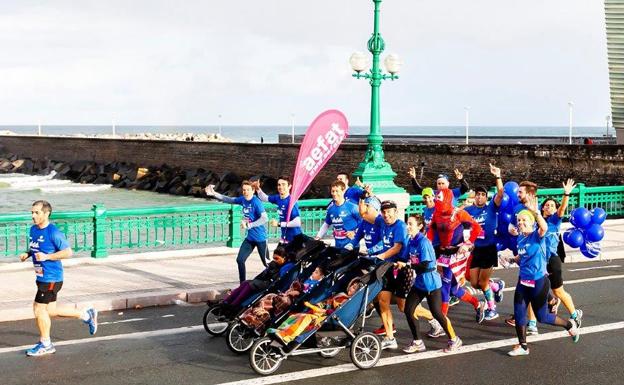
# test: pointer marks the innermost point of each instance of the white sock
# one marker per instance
(46, 342)
(85, 315)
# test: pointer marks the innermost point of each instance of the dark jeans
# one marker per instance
(245, 251)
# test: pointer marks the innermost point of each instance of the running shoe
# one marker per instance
(579, 317)
(453, 345)
(491, 314)
(511, 321)
(480, 310)
(415, 347)
(436, 329)
(381, 331)
(518, 351)
(575, 331)
(453, 301)
(92, 321)
(40, 349)
(369, 311)
(389, 343)
(498, 296)
(532, 330)
(554, 307)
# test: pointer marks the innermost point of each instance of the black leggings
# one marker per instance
(434, 299)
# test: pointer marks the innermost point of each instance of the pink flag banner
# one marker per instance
(320, 143)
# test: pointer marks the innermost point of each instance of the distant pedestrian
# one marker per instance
(47, 246)
(261, 140)
(254, 219)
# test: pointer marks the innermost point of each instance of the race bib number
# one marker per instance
(38, 270)
(527, 282)
(340, 234)
(444, 261)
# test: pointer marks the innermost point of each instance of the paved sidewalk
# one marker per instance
(170, 277)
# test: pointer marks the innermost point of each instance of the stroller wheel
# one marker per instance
(264, 358)
(365, 350)
(239, 338)
(329, 353)
(215, 321)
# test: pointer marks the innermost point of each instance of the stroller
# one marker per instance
(247, 327)
(219, 315)
(338, 331)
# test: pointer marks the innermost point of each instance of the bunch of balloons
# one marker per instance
(505, 215)
(587, 231)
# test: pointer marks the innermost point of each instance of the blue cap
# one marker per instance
(373, 202)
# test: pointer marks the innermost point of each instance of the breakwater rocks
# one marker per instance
(162, 179)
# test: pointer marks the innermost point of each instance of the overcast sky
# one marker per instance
(256, 62)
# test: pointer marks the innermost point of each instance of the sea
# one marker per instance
(17, 191)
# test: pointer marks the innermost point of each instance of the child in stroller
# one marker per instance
(299, 323)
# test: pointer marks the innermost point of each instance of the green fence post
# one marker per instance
(581, 194)
(236, 216)
(99, 232)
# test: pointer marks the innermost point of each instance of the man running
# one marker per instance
(342, 215)
(254, 219)
(485, 253)
(292, 228)
(47, 247)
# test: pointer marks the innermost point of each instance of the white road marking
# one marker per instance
(596, 267)
(311, 373)
(582, 280)
(167, 315)
(137, 335)
(122, 321)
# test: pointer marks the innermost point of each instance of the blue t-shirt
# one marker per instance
(533, 256)
(393, 234)
(252, 210)
(420, 250)
(48, 240)
(370, 232)
(353, 194)
(552, 235)
(486, 217)
(288, 233)
(343, 218)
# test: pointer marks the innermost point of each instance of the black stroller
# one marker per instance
(338, 331)
(218, 316)
(245, 329)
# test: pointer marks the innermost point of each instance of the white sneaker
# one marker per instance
(436, 329)
(532, 330)
(416, 346)
(388, 343)
(518, 351)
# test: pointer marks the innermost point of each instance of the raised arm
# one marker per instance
(499, 184)
(210, 191)
(463, 184)
(542, 226)
(568, 186)
(415, 185)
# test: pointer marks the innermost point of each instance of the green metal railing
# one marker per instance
(99, 231)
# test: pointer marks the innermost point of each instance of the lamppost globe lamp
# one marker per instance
(359, 62)
(374, 170)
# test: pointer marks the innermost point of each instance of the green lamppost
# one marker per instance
(374, 170)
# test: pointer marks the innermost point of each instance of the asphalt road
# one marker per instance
(167, 345)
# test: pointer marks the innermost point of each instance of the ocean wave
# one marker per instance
(75, 187)
(45, 184)
(10, 178)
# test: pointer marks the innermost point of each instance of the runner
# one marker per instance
(397, 282)
(47, 246)
(453, 251)
(289, 230)
(553, 214)
(532, 287)
(427, 284)
(254, 219)
(442, 183)
(352, 193)
(342, 215)
(485, 254)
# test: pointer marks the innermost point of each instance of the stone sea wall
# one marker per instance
(547, 165)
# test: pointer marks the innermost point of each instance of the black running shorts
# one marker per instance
(46, 291)
(484, 257)
(554, 272)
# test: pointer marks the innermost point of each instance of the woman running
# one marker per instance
(532, 287)
(427, 284)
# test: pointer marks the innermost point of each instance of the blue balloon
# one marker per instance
(594, 233)
(598, 215)
(575, 238)
(566, 235)
(590, 249)
(511, 188)
(580, 217)
(504, 202)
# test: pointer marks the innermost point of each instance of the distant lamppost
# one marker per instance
(220, 125)
(467, 121)
(374, 170)
(570, 107)
(607, 120)
(292, 128)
